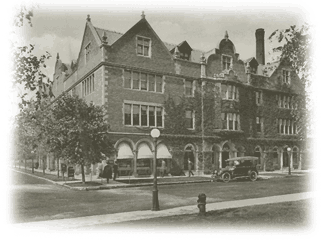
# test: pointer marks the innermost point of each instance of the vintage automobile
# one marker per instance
(239, 167)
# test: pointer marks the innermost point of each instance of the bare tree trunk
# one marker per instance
(83, 173)
(43, 166)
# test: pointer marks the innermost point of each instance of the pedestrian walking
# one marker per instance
(190, 166)
(107, 172)
(163, 168)
(115, 168)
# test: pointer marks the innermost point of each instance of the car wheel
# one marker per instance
(226, 177)
(253, 176)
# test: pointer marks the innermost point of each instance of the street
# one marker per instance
(37, 200)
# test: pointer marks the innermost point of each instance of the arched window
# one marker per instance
(275, 155)
(189, 155)
(215, 157)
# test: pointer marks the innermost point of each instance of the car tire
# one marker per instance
(253, 176)
(226, 177)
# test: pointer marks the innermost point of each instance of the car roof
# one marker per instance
(242, 158)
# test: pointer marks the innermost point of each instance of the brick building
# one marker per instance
(209, 106)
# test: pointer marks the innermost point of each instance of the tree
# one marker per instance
(294, 46)
(79, 134)
(28, 68)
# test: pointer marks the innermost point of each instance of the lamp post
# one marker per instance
(289, 151)
(155, 134)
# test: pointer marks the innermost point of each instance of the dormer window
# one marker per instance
(286, 76)
(143, 46)
(226, 62)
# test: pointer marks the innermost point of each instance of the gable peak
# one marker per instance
(143, 15)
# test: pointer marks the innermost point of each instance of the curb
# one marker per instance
(105, 187)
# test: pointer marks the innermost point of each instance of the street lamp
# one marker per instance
(289, 151)
(155, 134)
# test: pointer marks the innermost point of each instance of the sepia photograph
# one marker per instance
(160, 117)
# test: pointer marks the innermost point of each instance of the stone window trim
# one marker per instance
(230, 121)
(146, 44)
(286, 76)
(259, 124)
(156, 80)
(286, 126)
(190, 121)
(149, 105)
(286, 101)
(88, 48)
(226, 61)
(259, 98)
(88, 85)
(231, 92)
(189, 91)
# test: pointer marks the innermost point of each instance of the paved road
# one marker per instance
(38, 200)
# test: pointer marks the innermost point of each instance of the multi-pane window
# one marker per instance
(88, 85)
(143, 115)
(259, 124)
(258, 97)
(151, 83)
(143, 81)
(285, 101)
(229, 92)
(87, 52)
(226, 62)
(143, 46)
(127, 79)
(189, 119)
(286, 76)
(151, 116)
(159, 84)
(135, 80)
(286, 126)
(230, 121)
(189, 88)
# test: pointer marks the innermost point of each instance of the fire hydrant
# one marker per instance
(201, 202)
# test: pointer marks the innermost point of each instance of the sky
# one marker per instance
(59, 28)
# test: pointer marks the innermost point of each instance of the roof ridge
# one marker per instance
(108, 30)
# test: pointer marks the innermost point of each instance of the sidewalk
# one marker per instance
(99, 184)
(81, 222)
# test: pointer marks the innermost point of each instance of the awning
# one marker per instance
(124, 151)
(144, 151)
(162, 152)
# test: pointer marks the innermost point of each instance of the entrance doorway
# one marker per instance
(225, 154)
(189, 156)
(285, 158)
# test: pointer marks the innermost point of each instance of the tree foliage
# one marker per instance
(28, 69)
(295, 48)
(79, 133)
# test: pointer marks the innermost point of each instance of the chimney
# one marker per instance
(260, 52)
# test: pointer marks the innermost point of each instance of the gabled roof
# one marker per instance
(111, 35)
(270, 68)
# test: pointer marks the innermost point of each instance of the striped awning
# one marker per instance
(162, 152)
(144, 151)
(124, 151)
